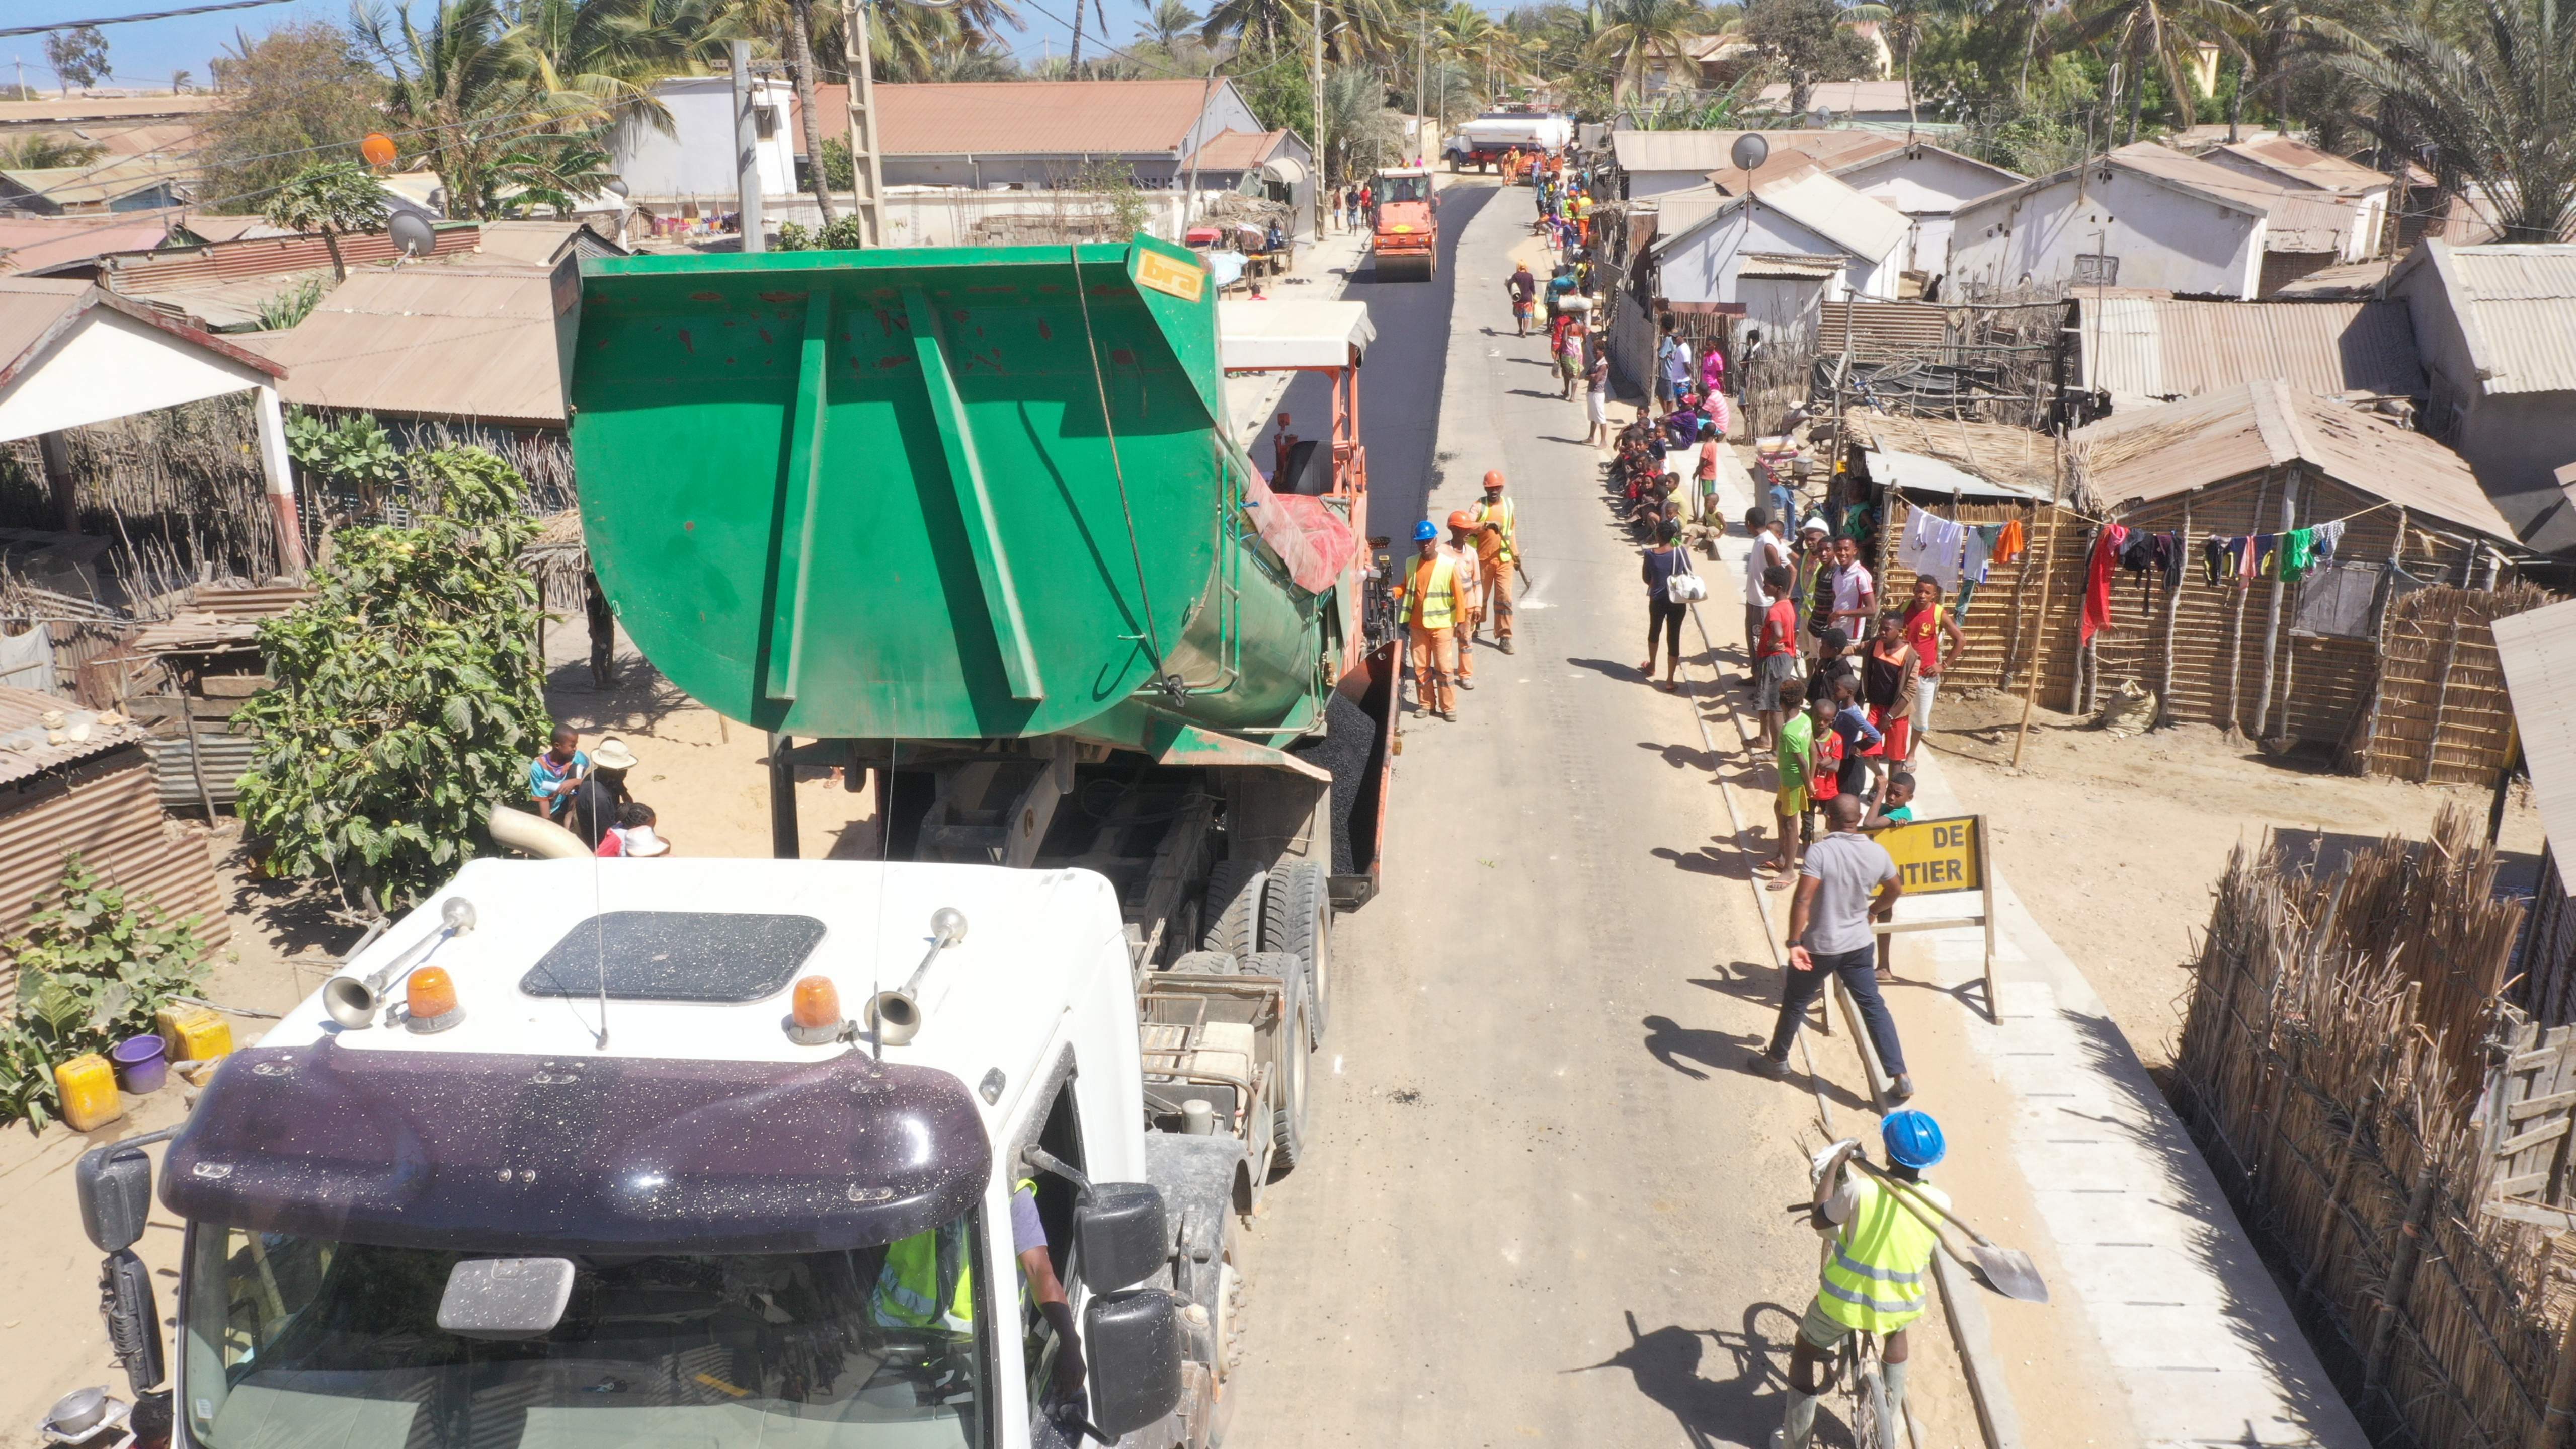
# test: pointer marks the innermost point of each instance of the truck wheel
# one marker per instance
(1208, 963)
(1226, 1319)
(1288, 1061)
(1234, 893)
(1297, 918)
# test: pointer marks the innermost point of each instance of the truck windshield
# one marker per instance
(299, 1341)
(1407, 188)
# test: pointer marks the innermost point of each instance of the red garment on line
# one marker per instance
(2097, 580)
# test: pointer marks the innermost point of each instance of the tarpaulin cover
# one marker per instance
(1315, 542)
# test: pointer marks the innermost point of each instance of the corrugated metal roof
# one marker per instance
(115, 824)
(34, 311)
(2299, 221)
(1793, 267)
(2144, 350)
(2300, 162)
(1040, 118)
(1842, 97)
(442, 342)
(64, 110)
(2538, 650)
(1239, 150)
(2158, 452)
(31, 243)
(1713, 150)
(61, 186)
(1863, 225)
(30, 723)
(2517, 304)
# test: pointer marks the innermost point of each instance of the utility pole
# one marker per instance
(1421, 78)
(867, 170)
(1315, 83)
(746, 148)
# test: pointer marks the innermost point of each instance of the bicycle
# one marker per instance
(1873, 1423)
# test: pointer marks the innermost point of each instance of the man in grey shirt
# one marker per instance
(1845, 878)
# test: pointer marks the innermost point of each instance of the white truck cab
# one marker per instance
(707, 1152)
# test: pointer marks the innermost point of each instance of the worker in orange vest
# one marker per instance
(1499, 540)
(1471, 590)
(1427, 599)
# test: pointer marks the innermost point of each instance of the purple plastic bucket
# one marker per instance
(142, 1064)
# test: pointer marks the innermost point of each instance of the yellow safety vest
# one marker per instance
(1434, 604)
(907, 1292)
(1506, 515)
(1876, 1279)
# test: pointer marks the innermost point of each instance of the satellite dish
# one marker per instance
(1824, 117)
(616, 187)
(1750, 152)
(412, 233)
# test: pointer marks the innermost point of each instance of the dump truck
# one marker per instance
(1405, 224)
(727, 1150)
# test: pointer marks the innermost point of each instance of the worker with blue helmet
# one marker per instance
(1879, 1273)
(1431, 598)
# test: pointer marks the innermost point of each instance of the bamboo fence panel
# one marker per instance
(2003, 632)
(2443, 716)
(2330, 1059)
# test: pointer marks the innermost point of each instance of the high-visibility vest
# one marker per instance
(1876, 1279)
(1434, 592)
(1506, 515)
(909, 1288)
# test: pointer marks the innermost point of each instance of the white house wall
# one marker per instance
(696, 159)
(1703, 267)
(2165, 239)
(111, 366)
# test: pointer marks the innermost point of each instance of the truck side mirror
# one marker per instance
(1124, 1233)
(1135, 1346)
(115, 1187)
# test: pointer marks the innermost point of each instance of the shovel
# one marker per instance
(2007, 1271)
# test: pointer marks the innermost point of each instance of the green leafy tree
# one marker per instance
(1808, 41)
(297, 95)
(409, 693)
(78, 56)
(1642, 33)
(93, 969)
(1281, 99)
(330, 197)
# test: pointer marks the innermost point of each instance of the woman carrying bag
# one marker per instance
(1671, 588)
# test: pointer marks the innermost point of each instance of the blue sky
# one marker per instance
(146, 52)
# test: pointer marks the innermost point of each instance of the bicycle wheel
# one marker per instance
(1873, 1427)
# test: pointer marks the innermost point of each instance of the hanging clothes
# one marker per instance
(2097, 581)
(2298, 554)
(1941, 552)
(2267, 548)
(1910, 545)
(2243, 546)
(2168, 560)
(2008, 544)
(1980, 548)
(2328, 535)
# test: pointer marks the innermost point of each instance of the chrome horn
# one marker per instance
(894, 1017)
(354, 1001)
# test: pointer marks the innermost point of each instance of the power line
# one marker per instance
(15, 30)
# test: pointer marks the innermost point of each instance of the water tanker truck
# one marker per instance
(949, 1147)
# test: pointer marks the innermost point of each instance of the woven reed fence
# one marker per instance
(2440, 714)
(2333, 1066)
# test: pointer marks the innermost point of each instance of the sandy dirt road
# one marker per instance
(1543, 1198)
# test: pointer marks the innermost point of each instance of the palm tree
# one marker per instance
(329, 197)
(46, 150)
(1168, 24)
(792, 21)
(1254, 24)
(2163, 36)
(1641, 33)
(2496, 102)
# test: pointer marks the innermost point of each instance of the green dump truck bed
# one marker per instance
(940, 494)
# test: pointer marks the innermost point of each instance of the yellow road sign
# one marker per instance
(1938, 856)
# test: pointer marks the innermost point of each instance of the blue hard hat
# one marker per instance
(1425, 531)
(1913, 1139)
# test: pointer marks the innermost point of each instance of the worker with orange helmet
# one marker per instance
(1471, 590)
(1498, 542)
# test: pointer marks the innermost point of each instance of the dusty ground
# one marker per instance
(2117, 843)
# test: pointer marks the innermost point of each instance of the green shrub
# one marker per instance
(409, 694)
(93, 969)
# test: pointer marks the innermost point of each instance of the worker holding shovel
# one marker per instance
(1880, 1270)
(1503, 573)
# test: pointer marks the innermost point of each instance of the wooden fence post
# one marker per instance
(2549, 1432)
(2401, 1277)
(2173, 620)
(2236, 628)
(2272, 611)
(2442, 688)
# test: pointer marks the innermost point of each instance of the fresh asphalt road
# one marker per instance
(1542, 1197)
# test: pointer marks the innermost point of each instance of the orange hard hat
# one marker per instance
(1459, 520)
(1494, 478)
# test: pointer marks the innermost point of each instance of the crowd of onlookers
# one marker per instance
(585, 792)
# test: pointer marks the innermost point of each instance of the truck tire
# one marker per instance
(1288, 1061)
(1297, 919)
(1233, 915)
(1208, 963)
(1225, 1320)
